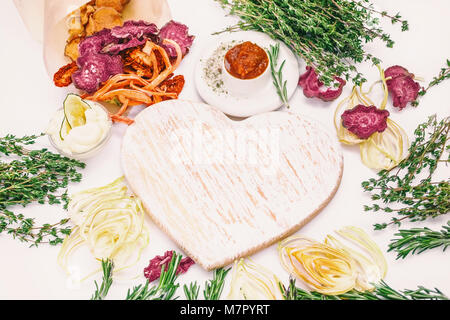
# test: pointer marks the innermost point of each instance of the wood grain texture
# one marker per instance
(223, 189)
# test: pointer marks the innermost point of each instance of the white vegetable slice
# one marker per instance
(321, 267)
(109, 222)
(371, 263)
(253, 282)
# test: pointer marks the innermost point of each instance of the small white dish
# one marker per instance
(241, 87)
(88, 153)
(214, 85)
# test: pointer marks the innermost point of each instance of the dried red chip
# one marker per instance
(332, 94)
(401, 86)
(153, 271)
(364, 121)
(63, 77)
(173, 85)
(310, 83)
(396, 71)
(179, 33)
(313, 87)
(403, 89)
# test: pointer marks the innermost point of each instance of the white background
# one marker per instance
(28, 99)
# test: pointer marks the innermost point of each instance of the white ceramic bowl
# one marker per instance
(245, 87)
(91, 152)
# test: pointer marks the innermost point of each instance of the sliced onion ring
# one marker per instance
(109, 222)
(253, 282)
(332, 267)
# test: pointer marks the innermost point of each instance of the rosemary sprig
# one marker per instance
(277, 75)
(166, 288)
(328, 35)
(418, 240)
(409, 186)
(382, 291)
(107, 280)
(214, 287)
(33, 176)
(443, 75)
(191, 292)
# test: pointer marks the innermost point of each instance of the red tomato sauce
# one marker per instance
(246, 61)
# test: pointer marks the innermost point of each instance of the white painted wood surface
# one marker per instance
(223, 189)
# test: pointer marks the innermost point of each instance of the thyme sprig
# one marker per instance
(417, 240)
(410, 193)
(328, 34)
(277, 74)
(382, 291)
(107, 280)
(33, 176)
(410, 185)
(443, 75)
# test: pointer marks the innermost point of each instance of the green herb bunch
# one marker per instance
(409, 191)
(328, 34)
(33, 176)
(382, 291)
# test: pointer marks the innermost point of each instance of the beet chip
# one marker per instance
(95, 68)
(153, 271)
(179, 33)
(401, 86)
(313, 87)
(403, 89)
(364, 121)
(397, 71)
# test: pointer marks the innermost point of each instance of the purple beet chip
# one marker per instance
(401, 86)
(179, 33)
(96, 42)
(364, 121)
(116, 48)
(397, 71)
(135, 29)
(153, 271)
(403, 89)
(313, 87)
(95, 68)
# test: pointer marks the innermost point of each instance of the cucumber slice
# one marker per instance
(64, 129)
(74, 109)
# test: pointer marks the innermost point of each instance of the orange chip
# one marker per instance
(63, 77)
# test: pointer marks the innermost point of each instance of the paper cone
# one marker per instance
(56, 16)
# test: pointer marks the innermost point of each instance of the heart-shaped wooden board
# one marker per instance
(224, 189)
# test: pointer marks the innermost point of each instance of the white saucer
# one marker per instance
(264, 100)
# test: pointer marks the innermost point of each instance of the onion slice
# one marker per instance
(253, 282)
(321, 267)
(109, 222)
(335, 266)
(370, 261)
